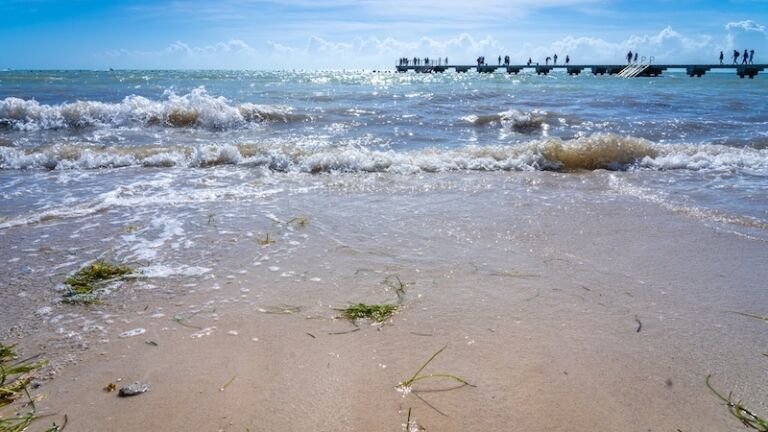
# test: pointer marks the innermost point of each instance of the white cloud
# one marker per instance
(666, 46)
(234, 53)
(282, 49)
(180, 48)
(746, 34)
(345, 54)
(746, 25)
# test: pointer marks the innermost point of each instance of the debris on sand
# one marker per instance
(743, 414)
(15, 378)
(374, 312)
(406, 386)
(134, 389)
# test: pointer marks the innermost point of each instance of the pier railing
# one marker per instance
(639, 70)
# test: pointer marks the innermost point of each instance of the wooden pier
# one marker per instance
(652, 70)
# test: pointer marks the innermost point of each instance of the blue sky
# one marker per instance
(263, 34)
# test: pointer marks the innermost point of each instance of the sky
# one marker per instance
(370, 34)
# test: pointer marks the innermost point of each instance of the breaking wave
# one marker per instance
(518, 121)
(195, 109)
(598, 151)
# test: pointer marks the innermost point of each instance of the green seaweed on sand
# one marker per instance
(378, 312)
(394, 282)
(266, 241)
(374, 312)
(755, 316)
(743, 414)
(406, 386)
(84, 285)
(300, 221)
(130, 229)
(15, 377)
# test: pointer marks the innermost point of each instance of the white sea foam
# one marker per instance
(518, 121)
(597, 151)
(141, 193)
(195, 109)
(164, 271)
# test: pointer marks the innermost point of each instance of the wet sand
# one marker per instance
(538, 284)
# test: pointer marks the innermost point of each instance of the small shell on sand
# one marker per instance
(132, 333)
(203, 332)
(133, 389)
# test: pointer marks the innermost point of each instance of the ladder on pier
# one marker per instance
(636, 69)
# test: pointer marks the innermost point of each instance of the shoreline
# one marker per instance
(535, 281)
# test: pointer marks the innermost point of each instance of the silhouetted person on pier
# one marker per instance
(736, 56)
(629, 57)
(555, 59)
(499, 60)
(746, 57)
(635, 57)
(751, 56)
(546, 60)
(529, 61)
(506, 60)
(567, 60)
(446, 61)
(721, 57)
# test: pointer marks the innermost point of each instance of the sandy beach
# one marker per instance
(568, 301)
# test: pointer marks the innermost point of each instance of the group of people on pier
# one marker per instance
(426, 61)
(632, 57)
(747, 58)
(554, 60)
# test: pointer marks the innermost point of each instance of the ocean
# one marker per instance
(534, 220)
(699, 143)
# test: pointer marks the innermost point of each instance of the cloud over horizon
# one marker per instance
(666, 45)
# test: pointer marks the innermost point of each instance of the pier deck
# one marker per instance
(693, 70)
